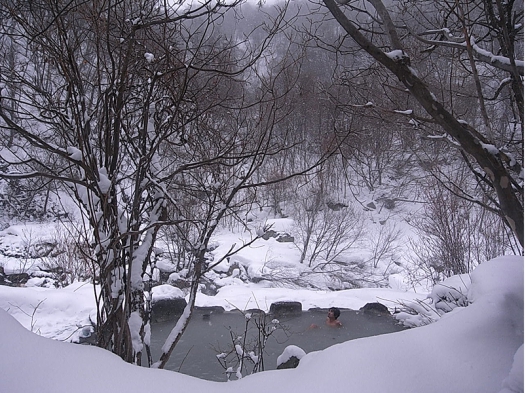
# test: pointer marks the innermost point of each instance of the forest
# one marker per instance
(163, 122)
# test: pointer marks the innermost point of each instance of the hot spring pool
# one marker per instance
(208, 334)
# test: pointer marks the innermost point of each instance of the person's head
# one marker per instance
(334, 311)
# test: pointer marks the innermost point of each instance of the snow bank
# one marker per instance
(514, 382)
(60, 314)
(248, 296)
(500, 275)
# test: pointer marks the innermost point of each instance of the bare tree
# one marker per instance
(141, 109)
(375, 29)
(324, 231)
(454, 236)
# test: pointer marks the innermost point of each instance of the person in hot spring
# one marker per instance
(331, 318)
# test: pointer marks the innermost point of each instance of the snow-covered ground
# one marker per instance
(478, 348)
(61, 313)
(470, 349)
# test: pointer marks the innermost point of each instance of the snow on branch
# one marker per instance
(490, 148)
(397, 55)
(407, 112)
(444, 137)
(500, 62)
(74, 153)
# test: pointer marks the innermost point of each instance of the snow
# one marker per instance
(280, 225)
(8, 156)
(490, 148)
(405, 112)
(248, 296)
(489, 280)
(166, 291)
(451, 293)
(445, 297)
(104, 183)
(116, 283)
(514, 381)
(478, 348)
(58, 314)
(242, 354)
(397, 55)
(149, 57)
(135, 323)
(494, 58)
(74, 153)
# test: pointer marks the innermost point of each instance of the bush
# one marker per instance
(445, 297)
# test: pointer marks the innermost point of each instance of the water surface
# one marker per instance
(209, 334)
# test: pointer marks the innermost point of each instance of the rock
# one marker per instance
(371, 206)
(18, 278)
(335, 206)
(210, 309)
(389, 203)
(268, 234)
(235, 265)
(52, 270)
(286, 308)
(42, 250)
(164, 276)
(290, 357)
(208, 287)
(255, 311)
(375, 309)
(285, 238)
(280, 237)
(2, 276)
(179, 283)
(167, 309)
(212, 246)
(293, 362)
(87, 336)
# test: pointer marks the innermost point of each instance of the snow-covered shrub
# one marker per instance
(445, 296)
(451, 293)
(417, 313)
(245, 354)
